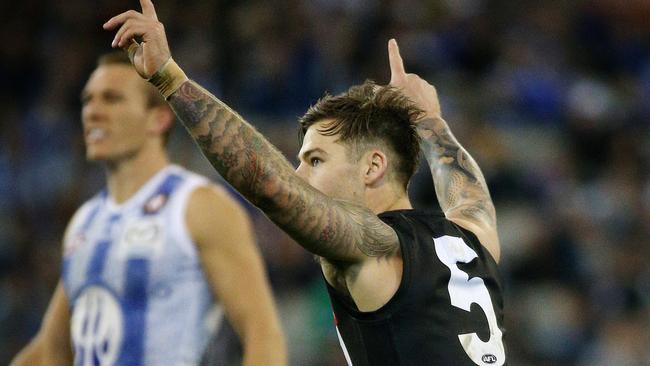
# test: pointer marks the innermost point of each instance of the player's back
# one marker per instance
(134, 281)
(448, 309)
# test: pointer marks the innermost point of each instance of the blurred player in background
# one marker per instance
(408, 287)
(158, 265)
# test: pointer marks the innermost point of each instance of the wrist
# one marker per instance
(168, 78)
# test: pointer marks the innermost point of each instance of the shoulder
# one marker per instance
(402, 220)
(82, 215)
(200, 195)
(486, 234)
(89, 207)
(211, 198)
(210, 209)
(482, 228)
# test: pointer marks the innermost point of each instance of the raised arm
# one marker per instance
(460, 186)
(336, 230)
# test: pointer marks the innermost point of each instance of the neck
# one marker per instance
(388, 198)
(127, 176)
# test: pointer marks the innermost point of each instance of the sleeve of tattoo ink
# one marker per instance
(334, 229)
(460, 186)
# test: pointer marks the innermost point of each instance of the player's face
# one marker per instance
(114, 112)
(325, 164)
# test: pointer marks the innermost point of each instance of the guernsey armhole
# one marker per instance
(393, 304)
(180, 212)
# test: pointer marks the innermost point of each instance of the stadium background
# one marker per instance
(552, 99)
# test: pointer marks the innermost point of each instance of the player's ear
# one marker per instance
(376, 165)
(161, 119)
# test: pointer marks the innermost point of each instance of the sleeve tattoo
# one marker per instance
(459, 183)
(327, 227)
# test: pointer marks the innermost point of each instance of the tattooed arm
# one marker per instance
(334, 229)
(460, 186)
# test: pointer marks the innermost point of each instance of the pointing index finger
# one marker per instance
(148, 9)
(395, 59)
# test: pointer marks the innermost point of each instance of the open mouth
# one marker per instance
(95, 135)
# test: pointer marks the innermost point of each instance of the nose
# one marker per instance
(300, 171)
(91, 111)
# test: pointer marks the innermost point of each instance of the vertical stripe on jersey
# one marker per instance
(134, 307)
(96, 265)
(94, 276)
(84, 227)
(135, 298)
(95, 268)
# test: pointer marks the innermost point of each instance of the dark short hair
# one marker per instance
(153, 97)
(369, 115)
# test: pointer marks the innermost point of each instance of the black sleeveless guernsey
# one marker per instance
(448, 309)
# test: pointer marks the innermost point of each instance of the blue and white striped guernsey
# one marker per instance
(131, 273)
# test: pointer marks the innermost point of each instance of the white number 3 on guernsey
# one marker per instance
(464, 292)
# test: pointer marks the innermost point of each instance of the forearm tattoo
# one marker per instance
(326, 227)
(457, 178)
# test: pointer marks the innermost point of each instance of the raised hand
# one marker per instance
(143, 37)
(460, 186)
(422, 93)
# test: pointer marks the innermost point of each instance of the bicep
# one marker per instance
(367, 233)
(56, 324)
(340, 231)
(231, 261)
(232, 264)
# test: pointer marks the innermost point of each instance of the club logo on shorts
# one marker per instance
(96, 327)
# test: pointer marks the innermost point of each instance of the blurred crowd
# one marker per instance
(552, 98)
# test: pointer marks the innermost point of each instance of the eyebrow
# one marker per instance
(85, 93)
(306, 154)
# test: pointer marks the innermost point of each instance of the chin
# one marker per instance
(96, 156)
